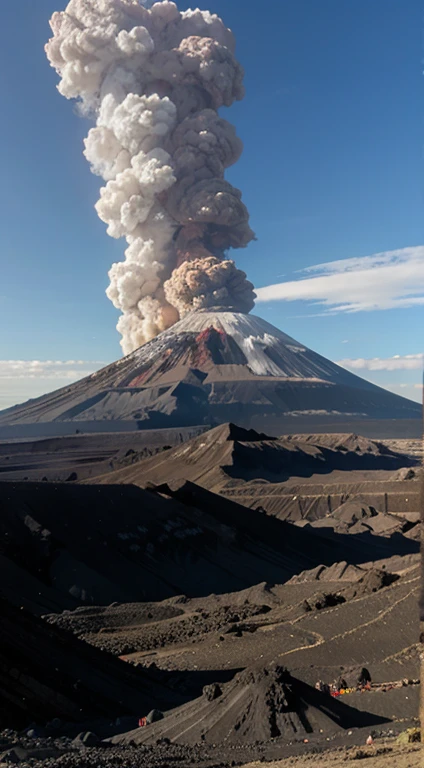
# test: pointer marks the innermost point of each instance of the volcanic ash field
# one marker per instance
(215, 581)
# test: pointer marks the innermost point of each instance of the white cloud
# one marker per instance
(395, 363)
(411, 391)
(48, 369)
(22, 380)
(392, 279)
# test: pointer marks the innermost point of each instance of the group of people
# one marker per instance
(341, 686)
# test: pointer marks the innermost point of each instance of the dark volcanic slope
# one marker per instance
(212, 366)
(46, 672)
(65, 545)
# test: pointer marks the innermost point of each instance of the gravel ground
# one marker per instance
(61, 753)
(380, 756)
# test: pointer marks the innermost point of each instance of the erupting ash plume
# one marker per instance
(153, 79)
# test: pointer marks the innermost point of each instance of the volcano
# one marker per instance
(209, 368)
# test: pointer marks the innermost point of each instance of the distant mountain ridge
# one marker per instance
(229, 452)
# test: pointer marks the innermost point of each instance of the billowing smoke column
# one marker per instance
(153, 79)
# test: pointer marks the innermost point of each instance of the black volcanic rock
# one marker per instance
(209, 368)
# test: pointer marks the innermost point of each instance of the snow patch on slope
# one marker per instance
(269, 352)
(258, 361)
(232, 323)
(251, 334)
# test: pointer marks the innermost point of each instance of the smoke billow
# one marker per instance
(153, 79)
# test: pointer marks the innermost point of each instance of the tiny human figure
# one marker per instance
(323, 687)
(364, 679)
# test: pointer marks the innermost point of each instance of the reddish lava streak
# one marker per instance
(210, 345)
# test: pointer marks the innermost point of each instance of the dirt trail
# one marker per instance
(320, 639)
(300, 640)
(380, 756)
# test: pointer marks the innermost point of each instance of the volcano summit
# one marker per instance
(212, 367)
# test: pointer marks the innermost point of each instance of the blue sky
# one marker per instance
(332, 125)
